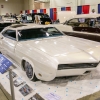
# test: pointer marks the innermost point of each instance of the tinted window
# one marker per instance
(73, 20)
(10, 34)
(38, 33)
(81, 22)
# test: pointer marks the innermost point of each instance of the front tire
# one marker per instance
(29, 71)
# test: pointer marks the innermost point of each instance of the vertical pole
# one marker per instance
(11, 84)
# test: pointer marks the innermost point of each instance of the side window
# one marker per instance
(82, 20)
(75, 20)
(72, 21)
(10, 34)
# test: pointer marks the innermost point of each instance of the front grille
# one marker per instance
(77, 66)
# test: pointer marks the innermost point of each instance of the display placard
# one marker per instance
(25, 90)
(52, 96)
(4, 64)
(13, 75)
(18, 82)
(36, 97)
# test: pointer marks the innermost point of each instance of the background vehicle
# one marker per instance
(85, 23)
(43, 18)
(83, 26)
(6, 21)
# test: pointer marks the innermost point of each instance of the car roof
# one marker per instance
(87, 16)
(27, 26)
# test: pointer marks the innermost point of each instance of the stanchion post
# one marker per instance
(11, 84)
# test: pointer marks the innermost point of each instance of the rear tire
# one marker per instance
(29, 71)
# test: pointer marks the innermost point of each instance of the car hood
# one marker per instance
(66, 48)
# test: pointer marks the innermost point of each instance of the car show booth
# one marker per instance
(50, 53)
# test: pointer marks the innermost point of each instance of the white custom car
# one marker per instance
(6, 19)
(44, 52)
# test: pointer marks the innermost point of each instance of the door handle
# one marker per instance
(82, 30)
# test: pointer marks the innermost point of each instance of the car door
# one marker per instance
(92, 29)
(8, 43)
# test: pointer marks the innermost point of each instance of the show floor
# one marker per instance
(2, 96)
(68, 88)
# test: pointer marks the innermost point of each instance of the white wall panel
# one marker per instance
(61, 3)
(94, 7)
(47, 5)
(26, 4)
(92, 2)
(48, 11)
(65, 3)
(38, 10)
(11, 6)
(31, 4)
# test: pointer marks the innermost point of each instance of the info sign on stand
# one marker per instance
(5, 65)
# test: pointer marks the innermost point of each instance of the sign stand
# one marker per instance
(11, 84)
(5, 65)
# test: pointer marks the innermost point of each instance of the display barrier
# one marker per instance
(5, 65)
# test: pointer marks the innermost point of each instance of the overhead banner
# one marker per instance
(83, 9)
(43, 11)
(79, 10)
(53, 13)
(65, 8)
(99, 8)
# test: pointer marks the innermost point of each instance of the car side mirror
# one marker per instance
(1, 37)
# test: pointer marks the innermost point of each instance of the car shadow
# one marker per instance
(63, 81)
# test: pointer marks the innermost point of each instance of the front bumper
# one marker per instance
(46, 76)
(73, 72)
(50, 74)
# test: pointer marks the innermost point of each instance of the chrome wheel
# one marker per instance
(29, 70)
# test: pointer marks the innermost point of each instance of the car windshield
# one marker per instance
(29, 17)
(36, 33)
(45, 16)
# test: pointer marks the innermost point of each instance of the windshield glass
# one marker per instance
(29, 18)
(43, 15)
(36, 33)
